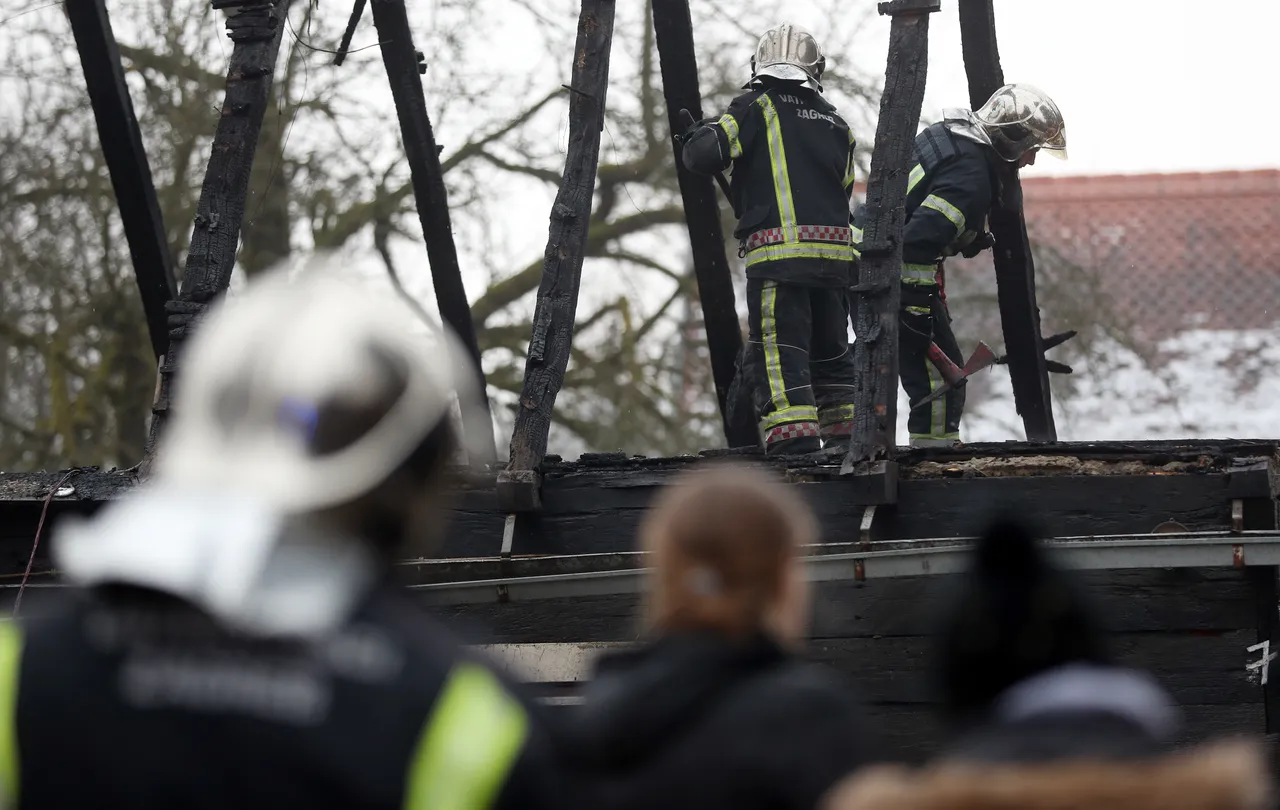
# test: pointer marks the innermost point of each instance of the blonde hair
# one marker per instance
(722, 541)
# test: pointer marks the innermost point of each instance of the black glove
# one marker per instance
(980, 243)
(694, 127)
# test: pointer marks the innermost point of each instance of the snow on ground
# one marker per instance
(1206, 384)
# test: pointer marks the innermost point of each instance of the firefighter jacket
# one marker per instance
(792, 158)
(949, 193)
(130, 698)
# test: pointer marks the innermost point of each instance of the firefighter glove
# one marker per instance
(980, 243)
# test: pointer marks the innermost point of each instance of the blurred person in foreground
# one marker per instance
(237, 639)
(1045, 717)
(716, 709)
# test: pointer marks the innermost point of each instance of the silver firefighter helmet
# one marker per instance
(1019, 118)
(790, 53)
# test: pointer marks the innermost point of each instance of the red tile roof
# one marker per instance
(1172, 250)
(1167, 251)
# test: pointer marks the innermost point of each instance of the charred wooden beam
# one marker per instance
(594, 505)
(344, 47)
(404, 72)
(570, 217)
(880, 270)
(1015, 267)
(126, 161)
(674, 29)
(256, 31)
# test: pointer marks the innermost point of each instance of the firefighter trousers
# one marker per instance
(801, 364)
(924, 319)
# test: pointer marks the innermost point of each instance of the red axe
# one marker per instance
(953, 376)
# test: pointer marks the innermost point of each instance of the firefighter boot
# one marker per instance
(797, 446)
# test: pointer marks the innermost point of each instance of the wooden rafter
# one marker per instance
(879, 293)
(401, 60)
(126, 161)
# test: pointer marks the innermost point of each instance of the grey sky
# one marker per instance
(1183, 85)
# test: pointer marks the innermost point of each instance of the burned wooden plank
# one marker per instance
(1189, 601)
(557, 303)
(1266, 599)
(256, 32)
(876, 318)
(674, 29)
(594, 505)
(580, 516)
(127, 163)
(1014, 264)
(1203, 669)
(401, 60)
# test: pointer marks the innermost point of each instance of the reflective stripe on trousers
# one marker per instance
(769, 337)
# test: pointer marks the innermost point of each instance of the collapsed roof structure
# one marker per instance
(1181, 536)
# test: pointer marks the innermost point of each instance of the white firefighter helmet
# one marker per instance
(1019, 118)
(264, 366)
(790, 53)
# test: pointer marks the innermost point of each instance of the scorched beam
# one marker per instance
(1015, 268)
(126, 161)
(403, 70)
(674, 29)
(256, 31)
(879, 294)
(557, 303)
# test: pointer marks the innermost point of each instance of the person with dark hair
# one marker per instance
(716, 709)
(1044, 716)
(236, 637)
(793, 170)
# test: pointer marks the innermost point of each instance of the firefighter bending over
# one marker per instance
(792, 158)
(949, 193)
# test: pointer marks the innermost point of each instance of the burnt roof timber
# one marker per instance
(391, 19)
(593, 505)
(256, 32)
(127, 163)
(673, 28)
(1014, 264)
(875, 313)
(557, 302)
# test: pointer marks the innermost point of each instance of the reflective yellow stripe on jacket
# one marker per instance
(10, 671)
(468, 745)
(730, 126)
(947, 210)
(919, 273)
(778, 163)
(849, 166)
(913, 179)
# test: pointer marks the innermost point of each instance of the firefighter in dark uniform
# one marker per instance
(949, 192)
(235, 637)
(792, 158)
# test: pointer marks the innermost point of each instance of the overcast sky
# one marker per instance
(1181, 85)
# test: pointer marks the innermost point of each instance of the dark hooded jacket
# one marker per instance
(696, 721)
